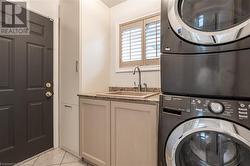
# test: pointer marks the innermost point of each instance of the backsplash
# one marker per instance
(111, 89)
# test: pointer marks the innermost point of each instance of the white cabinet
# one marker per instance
(69, 76)
(69, 50)
(118, 133)
(95, 131)
(133, 134)
(70, 128)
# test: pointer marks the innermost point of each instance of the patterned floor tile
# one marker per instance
(79, 163)
(54, 157)
(69, 158)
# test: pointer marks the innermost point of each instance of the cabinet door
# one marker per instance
(69, 50)
(95, 131)
(133, 134)
(70, 128)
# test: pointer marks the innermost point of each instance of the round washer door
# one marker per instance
(210, 22)
(208, 142)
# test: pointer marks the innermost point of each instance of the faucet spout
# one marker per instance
(137, 68)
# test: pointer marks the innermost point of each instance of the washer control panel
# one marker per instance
(208, 107)
(226, 108)
(190, 107)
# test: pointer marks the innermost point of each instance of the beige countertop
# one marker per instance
(150, 100)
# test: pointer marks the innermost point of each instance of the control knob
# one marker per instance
(216, 107)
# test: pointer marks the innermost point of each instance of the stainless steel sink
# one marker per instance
(127, 94)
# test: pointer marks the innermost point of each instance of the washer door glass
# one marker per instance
(208, 142)
(211, 149)
(214, 15)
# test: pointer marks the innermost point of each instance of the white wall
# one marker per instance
(95, 51)
(124, 12)
(100, 35)
(49, 8)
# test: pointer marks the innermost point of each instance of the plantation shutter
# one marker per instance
(140, 42)
(131, 38)
(152, 40)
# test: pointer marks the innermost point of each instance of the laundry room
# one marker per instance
(124, 83)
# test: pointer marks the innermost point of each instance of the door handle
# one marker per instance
(48, 94)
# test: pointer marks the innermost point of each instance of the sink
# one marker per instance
(128, 94)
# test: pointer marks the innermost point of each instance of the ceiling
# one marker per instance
(111, 3)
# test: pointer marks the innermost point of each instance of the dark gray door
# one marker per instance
(26, 114)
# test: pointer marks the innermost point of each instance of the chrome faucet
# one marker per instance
(137, 68)
(146, 87)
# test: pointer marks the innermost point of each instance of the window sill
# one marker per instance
(143, 69)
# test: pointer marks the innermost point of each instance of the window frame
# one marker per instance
(141, 22)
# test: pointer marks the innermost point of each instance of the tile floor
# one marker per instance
(56, 157)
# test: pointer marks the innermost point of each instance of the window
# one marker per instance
(140, 42)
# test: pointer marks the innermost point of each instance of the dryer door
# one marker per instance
(210, 22)
(208, 142)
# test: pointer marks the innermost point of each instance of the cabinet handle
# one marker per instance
(77, 66)
(67, 106)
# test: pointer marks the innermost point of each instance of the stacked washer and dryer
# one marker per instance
(205, 79)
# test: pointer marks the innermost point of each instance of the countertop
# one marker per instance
(153, 100)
